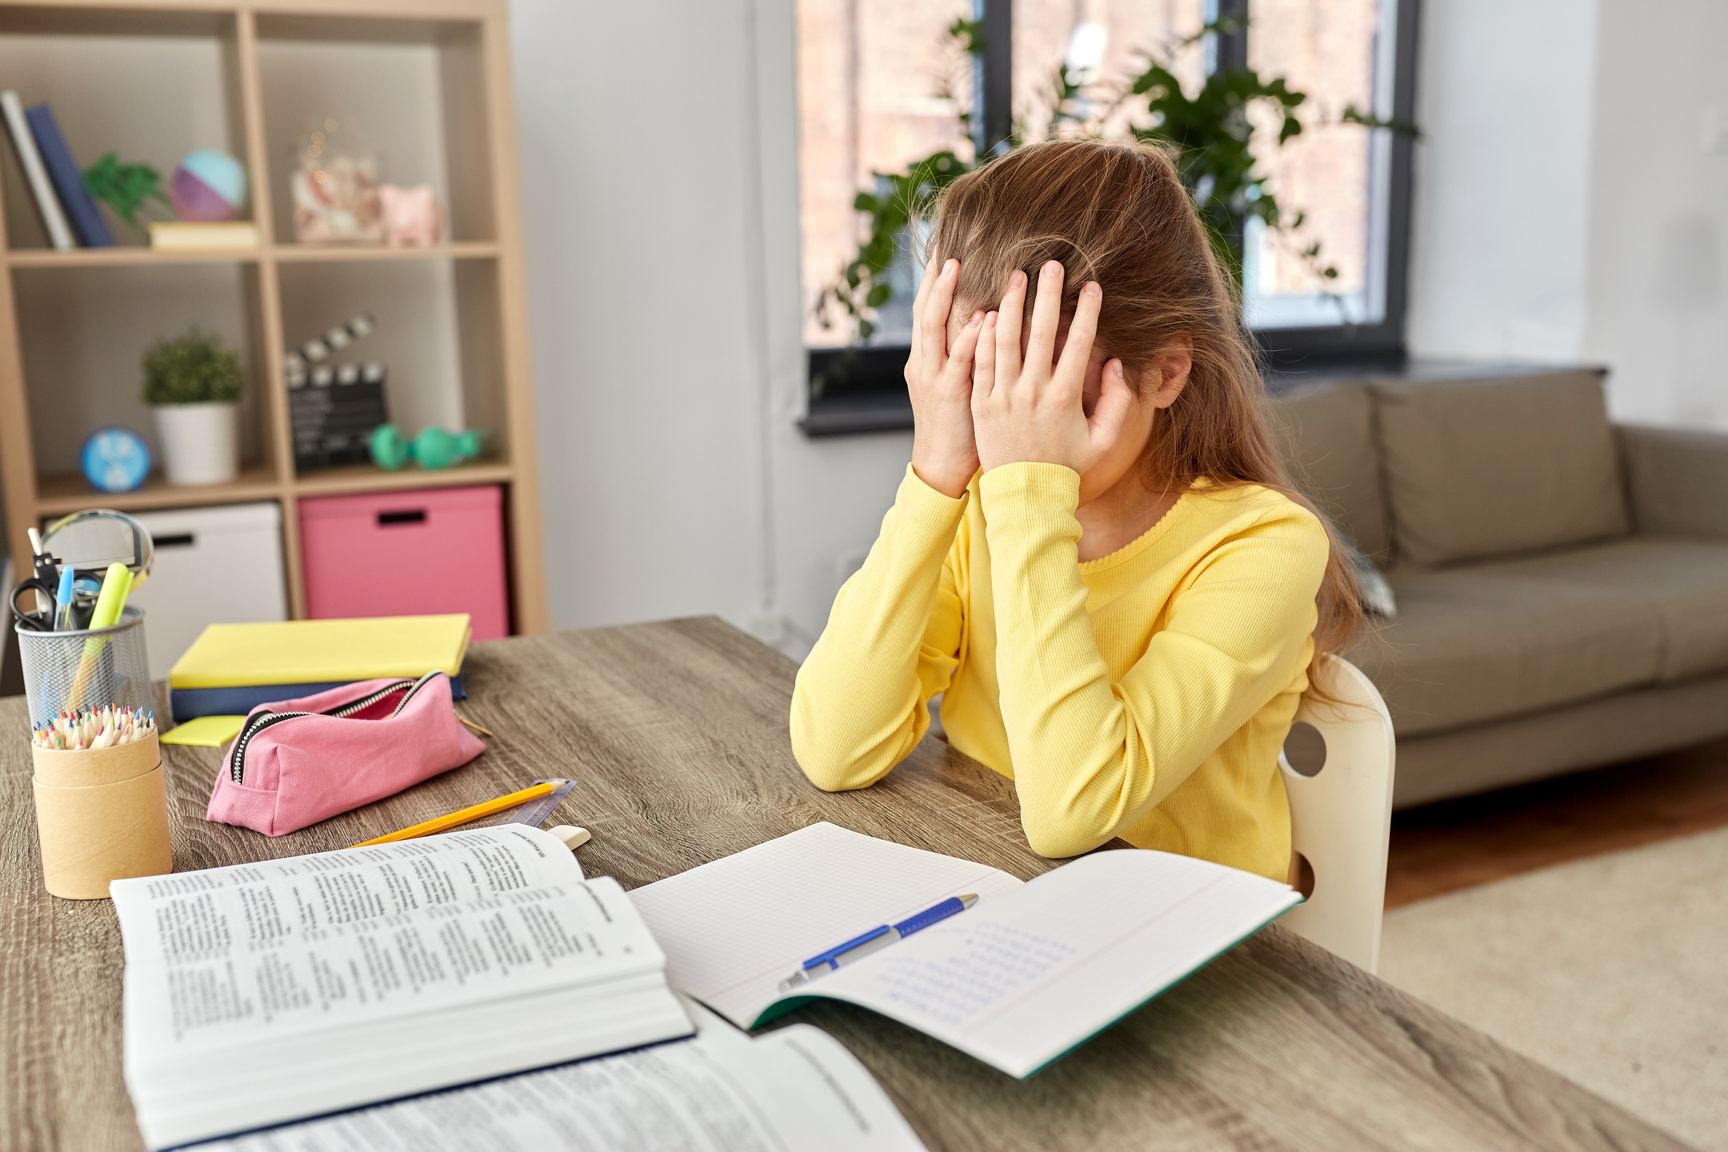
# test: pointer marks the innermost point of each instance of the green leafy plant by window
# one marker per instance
(863, 284)
(1211, 134)
(193, 369)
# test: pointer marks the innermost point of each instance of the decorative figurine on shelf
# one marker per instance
(115, 460)
(433, 448)
(209, 187)
(335, 186)
(125, 188)
(411, 218)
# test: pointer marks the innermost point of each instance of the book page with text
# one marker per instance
(1019, 981)
(793, 1089)
(231, 955)
(734, 928)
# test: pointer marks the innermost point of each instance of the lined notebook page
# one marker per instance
(1020, 980)
(734, 928)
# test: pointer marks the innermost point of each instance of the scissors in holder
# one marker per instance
(54, 584)
(34, 592)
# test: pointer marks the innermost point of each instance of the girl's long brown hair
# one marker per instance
(1117, 214)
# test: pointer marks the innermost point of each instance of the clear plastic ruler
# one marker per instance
(535, 812)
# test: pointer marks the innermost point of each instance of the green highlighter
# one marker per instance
(112, 599)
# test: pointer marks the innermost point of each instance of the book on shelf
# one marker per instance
(262, 993)
(203, 236)
(68, 181)
(1027, 974)
(41, 190)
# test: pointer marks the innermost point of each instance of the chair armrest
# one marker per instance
(1677, 480)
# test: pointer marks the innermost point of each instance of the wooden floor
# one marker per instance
(1459, 843)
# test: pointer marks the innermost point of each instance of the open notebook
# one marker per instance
(260, 993)
(1025, 975)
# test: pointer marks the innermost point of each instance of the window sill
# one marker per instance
(889, 409)
(858, 412)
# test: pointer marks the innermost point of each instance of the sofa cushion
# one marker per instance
(1474, 644)
(1484, 468)
(1326, 434)
(1677, 479)
(1682, 581)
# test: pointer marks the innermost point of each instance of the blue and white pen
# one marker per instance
(880, 937)
(63, 601)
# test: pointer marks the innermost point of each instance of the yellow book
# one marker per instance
(200, 236)
(322, 651)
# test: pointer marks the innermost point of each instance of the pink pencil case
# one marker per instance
(297, 762)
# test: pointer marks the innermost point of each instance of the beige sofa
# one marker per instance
(1561, 582)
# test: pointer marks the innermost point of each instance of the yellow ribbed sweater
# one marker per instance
(1144, 694)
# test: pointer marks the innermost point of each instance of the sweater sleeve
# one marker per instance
(861, 702)
(1092, 755)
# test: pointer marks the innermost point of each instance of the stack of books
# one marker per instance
(232, 668)
(69, 213)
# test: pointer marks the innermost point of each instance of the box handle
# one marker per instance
(183, 540)
(407, 516)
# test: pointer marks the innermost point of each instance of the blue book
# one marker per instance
(191, 703)
(68, 181)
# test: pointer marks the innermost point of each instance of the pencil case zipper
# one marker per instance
(262, 720)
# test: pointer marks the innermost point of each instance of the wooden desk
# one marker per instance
(677, 732)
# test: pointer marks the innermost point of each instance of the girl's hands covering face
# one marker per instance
(1029, 408)
(939, 379)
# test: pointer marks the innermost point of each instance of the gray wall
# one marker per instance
(1502, 172)
(1572, 194)
(1658, 235)
(659, 171)
(635, 177)
(1565, 208)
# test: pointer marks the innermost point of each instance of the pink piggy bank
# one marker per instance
(410, 216)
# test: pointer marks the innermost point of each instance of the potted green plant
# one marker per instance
(192, 384)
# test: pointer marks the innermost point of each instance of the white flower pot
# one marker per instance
(200, 442)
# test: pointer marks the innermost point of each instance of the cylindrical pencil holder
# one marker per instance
(65, 671)
(101, 815)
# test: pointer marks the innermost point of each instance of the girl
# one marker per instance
(1094, 555)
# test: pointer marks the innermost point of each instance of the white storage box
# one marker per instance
(213, 565)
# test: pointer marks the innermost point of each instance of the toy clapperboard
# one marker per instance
(334, 407)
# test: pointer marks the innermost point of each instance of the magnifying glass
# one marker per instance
(89, 542)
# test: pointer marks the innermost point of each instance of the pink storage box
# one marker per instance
(418, 553)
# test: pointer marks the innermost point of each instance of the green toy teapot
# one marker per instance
(433, 448)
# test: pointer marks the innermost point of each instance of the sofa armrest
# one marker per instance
(1677, 480)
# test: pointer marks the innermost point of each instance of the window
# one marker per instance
(880, 85)
(1336, 173)
(1103, 42)
(884, 83)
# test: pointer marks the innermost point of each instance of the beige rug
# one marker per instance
(1611, 970)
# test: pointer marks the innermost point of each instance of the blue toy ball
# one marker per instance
(116, 459)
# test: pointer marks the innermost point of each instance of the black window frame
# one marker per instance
(863, 389)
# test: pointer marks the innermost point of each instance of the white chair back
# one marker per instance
(1341, 811)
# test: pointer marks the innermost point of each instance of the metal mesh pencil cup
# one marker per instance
(92, 668)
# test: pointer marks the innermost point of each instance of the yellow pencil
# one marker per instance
(440, 823)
